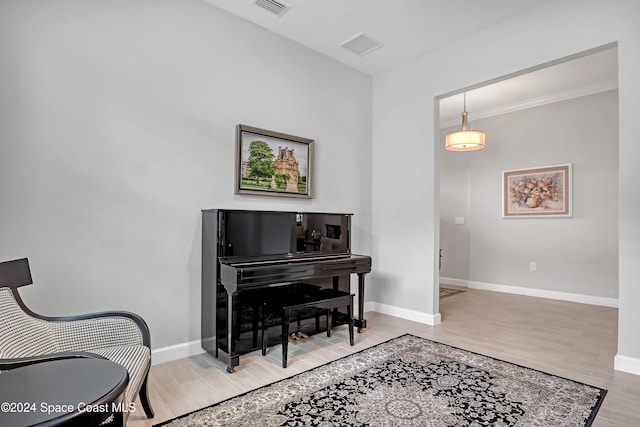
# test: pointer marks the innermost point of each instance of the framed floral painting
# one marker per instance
(537, 192)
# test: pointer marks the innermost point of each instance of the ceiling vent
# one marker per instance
(361, 44)
(273, 6)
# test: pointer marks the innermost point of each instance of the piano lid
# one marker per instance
(236, 272)
(245, 261)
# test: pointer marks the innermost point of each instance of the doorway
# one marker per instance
(562, 112)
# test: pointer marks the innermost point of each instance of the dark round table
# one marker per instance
(69, 392)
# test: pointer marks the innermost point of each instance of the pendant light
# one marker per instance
(465, 140)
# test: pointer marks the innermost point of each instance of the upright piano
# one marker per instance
(251, 258)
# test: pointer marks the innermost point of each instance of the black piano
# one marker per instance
(253, 258)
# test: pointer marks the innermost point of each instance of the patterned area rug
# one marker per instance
(410, 381)
(447, 292)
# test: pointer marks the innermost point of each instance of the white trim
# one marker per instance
(193, 348)
(626, 364)
(455, 282)
(175, 352)
(540, 293)
(403, 313)
(536, 102)
(544, 293)
(621, 363)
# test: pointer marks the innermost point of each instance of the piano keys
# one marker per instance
(250, 258)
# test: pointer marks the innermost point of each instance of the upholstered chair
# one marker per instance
(329, 244)
(27, 338)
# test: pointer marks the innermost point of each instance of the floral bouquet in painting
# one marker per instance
(533, 191)
(544, 191)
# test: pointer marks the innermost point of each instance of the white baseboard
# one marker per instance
(193, 348)
(540, 293)
(622, 363)
(455, 282)
(175, 352)
(626, 364)
(416, 316)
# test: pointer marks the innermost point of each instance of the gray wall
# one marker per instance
(404, 116)
(455, 202)
(118, 126)
(577, 255)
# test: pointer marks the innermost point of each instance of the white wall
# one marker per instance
(405, 136)
(576, 256)
(118, 126)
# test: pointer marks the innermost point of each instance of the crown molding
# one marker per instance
(536, 102)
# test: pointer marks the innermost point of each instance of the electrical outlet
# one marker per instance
(459, 221)
(532, 266)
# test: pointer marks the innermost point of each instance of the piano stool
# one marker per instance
(325, 300)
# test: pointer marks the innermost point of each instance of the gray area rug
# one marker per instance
(410, 381)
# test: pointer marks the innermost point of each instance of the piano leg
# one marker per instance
(350, 312)
(233, 359)
(361, 323)
(285, 336)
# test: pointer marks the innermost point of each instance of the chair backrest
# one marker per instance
(21, 334)
(15, 273)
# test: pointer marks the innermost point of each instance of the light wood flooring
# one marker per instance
(576, 341)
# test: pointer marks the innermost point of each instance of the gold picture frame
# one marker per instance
(272, 163)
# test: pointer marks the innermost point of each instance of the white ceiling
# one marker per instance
(410, 28)
(585, 75)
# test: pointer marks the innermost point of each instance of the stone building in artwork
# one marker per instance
(286, 164)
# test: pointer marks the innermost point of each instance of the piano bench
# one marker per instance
(325, 300)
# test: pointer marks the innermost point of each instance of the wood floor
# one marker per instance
(576, 341)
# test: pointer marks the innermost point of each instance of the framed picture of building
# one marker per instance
(537, 192)
(272, 163)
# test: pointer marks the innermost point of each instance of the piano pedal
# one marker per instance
(302, 335)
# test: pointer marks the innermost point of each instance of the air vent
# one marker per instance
(273, 6)
(361, 44)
